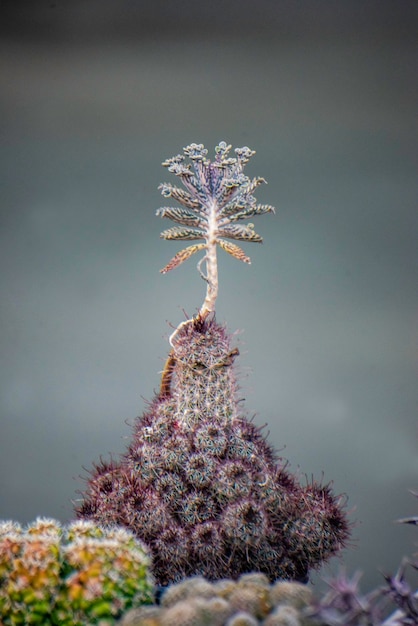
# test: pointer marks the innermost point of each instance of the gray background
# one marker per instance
(94, 95)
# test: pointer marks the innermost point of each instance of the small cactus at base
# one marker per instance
(70, 576)
(249, 601)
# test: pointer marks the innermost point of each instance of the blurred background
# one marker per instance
(95, 94)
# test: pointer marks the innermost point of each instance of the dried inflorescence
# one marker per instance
(217, 195)
(203, 488)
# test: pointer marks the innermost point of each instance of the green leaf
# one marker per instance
(242, 233)
(234, 250)
(182, 216)
(253, 184)
(182, 233)
(182, 196)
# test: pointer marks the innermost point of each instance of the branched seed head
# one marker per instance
(218, 195)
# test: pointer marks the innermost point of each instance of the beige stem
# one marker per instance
(211, 278)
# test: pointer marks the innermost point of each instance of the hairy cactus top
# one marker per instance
(218, 196)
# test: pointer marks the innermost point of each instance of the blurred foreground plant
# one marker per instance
(72, 576)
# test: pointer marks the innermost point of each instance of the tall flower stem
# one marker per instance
(210, 257)
(217, 195)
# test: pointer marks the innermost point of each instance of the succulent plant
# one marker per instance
(249, 601)
(50, 575)
(199, 483)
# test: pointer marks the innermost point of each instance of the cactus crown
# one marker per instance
(218, 195)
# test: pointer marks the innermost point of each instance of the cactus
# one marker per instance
(199, 484)
(50, 575)
(250, 600)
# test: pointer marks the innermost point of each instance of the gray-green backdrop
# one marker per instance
(94, 95)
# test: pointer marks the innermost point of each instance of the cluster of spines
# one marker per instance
(204, 489)
(70, 576)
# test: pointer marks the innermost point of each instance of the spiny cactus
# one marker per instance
(70, 576)
(250, 600)
(199, 483)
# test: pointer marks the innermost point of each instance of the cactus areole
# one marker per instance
(199, 483)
